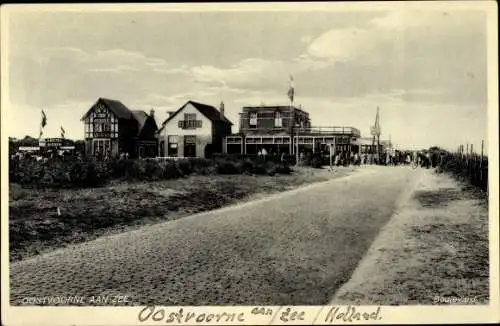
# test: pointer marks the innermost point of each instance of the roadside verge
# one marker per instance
(434, 250)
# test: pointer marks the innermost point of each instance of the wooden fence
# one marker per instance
(469, 165)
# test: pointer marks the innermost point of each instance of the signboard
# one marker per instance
(189, 139)
(29, 148)
(375, 131)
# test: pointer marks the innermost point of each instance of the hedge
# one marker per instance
(70, 172)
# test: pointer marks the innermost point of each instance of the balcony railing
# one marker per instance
(329, 130)
(189, 124)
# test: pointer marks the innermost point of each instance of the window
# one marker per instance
(101, 146)
(278, 122)
(189, 122)
(253, 120)
(173, 146)
(189, 116)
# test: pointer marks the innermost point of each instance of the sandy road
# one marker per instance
(296, 248)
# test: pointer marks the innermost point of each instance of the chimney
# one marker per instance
(152, 113)
(222, 110)
(169, 113)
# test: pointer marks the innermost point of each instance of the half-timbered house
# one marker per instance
(111, 129)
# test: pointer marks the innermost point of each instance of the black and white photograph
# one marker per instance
(262, 157)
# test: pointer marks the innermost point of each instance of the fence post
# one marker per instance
(481, 163)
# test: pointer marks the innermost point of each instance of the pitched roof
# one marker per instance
(142, 117)
(117, 107)
(207, 110)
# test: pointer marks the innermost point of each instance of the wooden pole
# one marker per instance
(467, 155)
(297, 147)
(481, 162)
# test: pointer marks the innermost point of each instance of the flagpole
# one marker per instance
(292, 97)
(41, 130)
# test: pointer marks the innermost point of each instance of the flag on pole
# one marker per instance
(291, 90)
(63, 132)
(44, 119)
(42, 124)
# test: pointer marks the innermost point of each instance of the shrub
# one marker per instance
(283, 168)
(152, 170)
(313, 160)
(225, 166)
(170, 171)
(71, 172)
(203, 166)
(16, 192)
(184, 166)
(259, 168)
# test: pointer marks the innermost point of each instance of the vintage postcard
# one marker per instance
(250, 163)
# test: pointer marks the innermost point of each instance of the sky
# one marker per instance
(425, 70)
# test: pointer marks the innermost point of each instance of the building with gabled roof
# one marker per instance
(111, 129)
(194, 130)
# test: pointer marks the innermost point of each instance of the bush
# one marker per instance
(184, 166)
(224, 166)
(259, 168)
(282, 168)
(170, 171)
(203, 166)
(16, 192)
(152, 170)
(71, 172)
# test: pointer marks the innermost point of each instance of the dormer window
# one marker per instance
(278, 122)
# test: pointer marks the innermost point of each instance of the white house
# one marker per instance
(194, 130)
